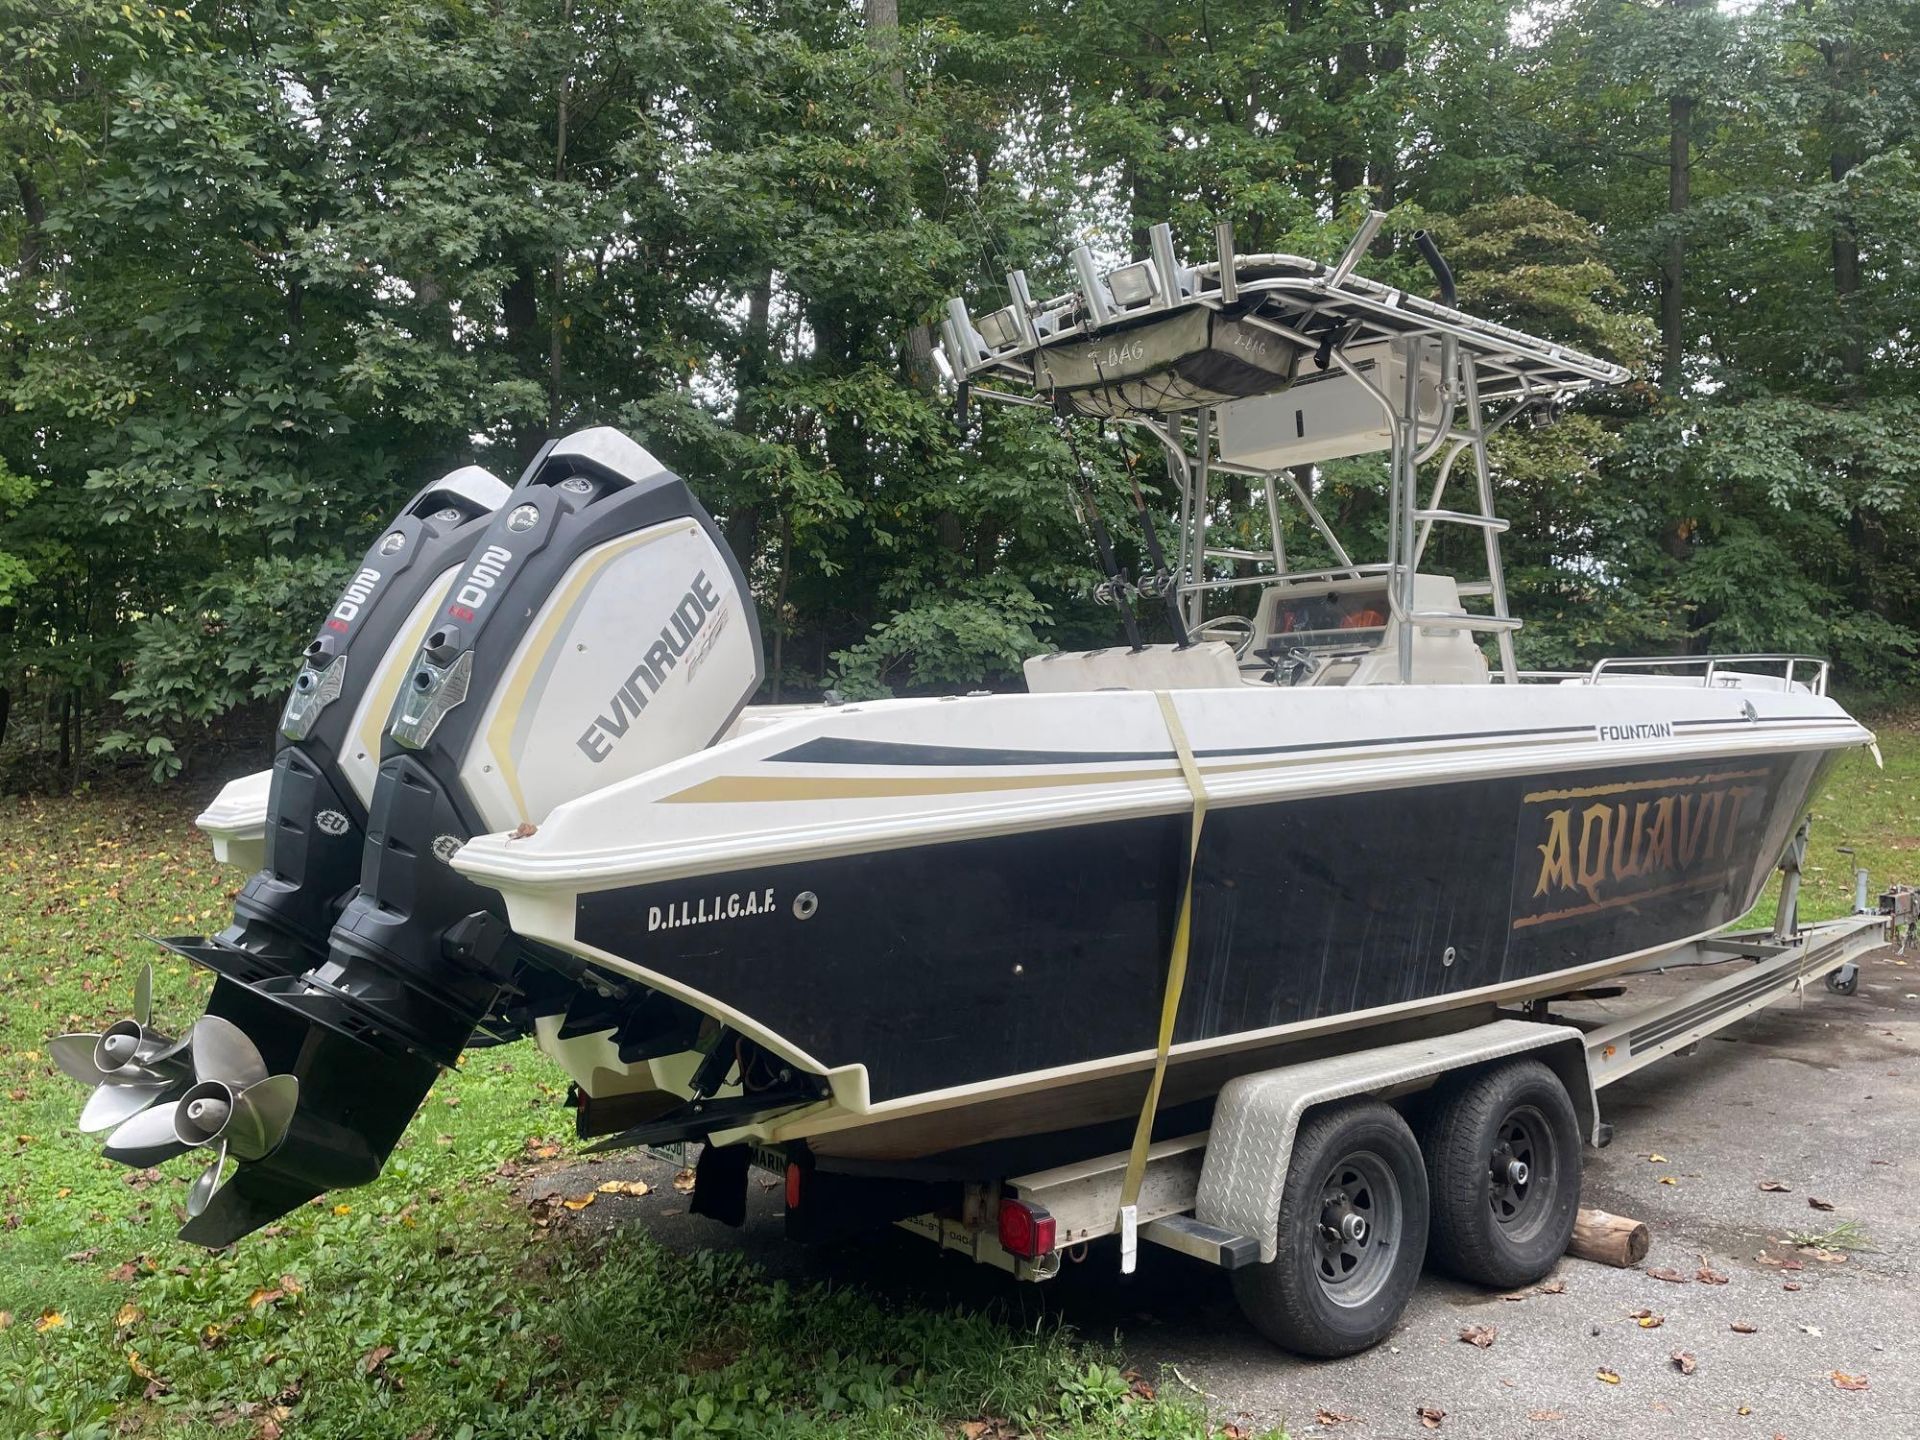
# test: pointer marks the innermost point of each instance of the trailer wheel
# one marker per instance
(1503, 1163)
(1845, 980)
(1352, 1234)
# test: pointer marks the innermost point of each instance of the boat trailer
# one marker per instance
(1217, 1194)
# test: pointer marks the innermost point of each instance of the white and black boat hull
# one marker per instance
(938, 926)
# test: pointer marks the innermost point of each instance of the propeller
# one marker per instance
(233, 1107)
(130, 1067)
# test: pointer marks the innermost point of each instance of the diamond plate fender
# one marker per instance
(1256, 1116)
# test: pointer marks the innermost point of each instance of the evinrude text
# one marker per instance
(688, 619)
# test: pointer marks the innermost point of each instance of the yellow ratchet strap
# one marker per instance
(1176, 976)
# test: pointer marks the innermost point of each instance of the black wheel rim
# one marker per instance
(1521, 1172)
(1358, 1231)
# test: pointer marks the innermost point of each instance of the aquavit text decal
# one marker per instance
(1605, 845)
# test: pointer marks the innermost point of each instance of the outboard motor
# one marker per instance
(599, 628)
(315, 813)
(332, 727)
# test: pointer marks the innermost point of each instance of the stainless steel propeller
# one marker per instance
(130, 1066)
(233, 1107)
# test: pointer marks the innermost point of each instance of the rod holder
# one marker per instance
(1357, 247)
(1092, 287)
(1223, 244)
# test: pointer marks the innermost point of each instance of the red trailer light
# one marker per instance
(793, 1185)
(1026, 1229)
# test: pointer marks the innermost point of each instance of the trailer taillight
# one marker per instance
(1026, 1229)
(793, 1185)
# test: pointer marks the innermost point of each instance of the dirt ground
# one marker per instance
(1820, 1096)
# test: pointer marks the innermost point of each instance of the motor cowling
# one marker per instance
(599, 628)
(332, 727)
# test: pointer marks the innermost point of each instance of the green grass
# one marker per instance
(427, 1304)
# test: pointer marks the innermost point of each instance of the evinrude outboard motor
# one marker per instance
(600, 628)
(315, 820)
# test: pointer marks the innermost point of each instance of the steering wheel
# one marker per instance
(1235, 630)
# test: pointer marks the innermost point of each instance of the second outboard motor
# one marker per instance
(599, 628)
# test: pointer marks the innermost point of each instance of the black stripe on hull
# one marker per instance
(832, 750)
(943, 965)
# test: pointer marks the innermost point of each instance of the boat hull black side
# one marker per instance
(978, 961)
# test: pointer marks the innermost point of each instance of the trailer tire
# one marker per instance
(1503, 1165)
(1335, 1287)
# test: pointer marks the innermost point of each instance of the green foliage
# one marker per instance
(262, 271)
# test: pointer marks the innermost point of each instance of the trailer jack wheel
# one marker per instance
(1845, 980)
(1503, 1164)
(1352, 1234)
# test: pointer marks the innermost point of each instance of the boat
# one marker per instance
(921, 938)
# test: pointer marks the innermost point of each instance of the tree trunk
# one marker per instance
(1383, 170)
(520, 316)
(555, 320)
(749, 372)
(1673, 269)
(883, 33)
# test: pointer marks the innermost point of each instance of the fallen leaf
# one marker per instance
(49, 1320)
(1647, 1320)
(1744, 1327)
(1662, 1272)
(1480, 1336)
(1656, 1159)
(1606, 1376)
(683, 1180)
(973, 1429)
(1814, 1202)
(1333, 1417)
(1844, 1381)
(1706, 1275)
(1774, 1187)
(1554, 1287)
(343, 1209)
(1683, 1361)
(1668, 1180)
(81, 1257)
(375, 1358)
(1431, 1416)
(624, 1187)
(578, 1202)
(523, 831)
(6, 1319)
(1813, 1330)
(1743, 1410)
(139, 1366)
(1545, 1415)
(265, 1295)
(128, 1314)
(1791, 1285)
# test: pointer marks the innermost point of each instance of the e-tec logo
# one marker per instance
(485, 574)
(353, 599)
